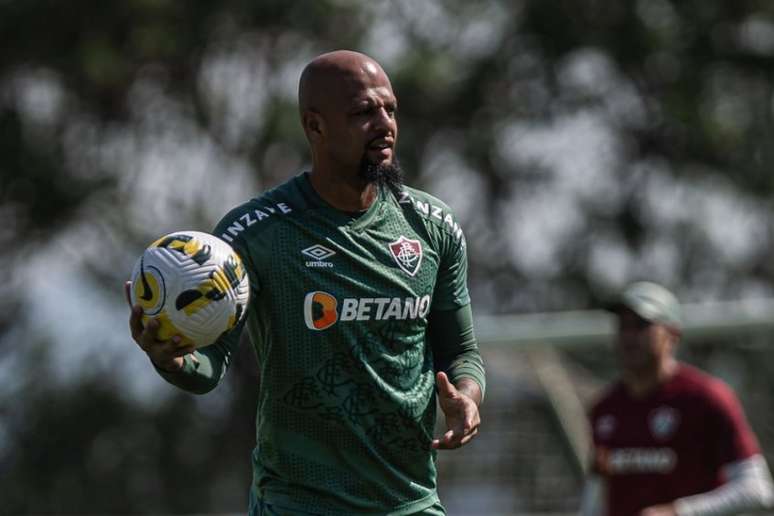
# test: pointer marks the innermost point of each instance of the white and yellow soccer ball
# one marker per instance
(194, 284)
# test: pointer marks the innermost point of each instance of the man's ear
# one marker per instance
(314, 125)
(676, 335)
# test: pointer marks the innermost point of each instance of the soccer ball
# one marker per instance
(194, 284)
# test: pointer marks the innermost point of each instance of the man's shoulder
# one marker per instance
(262, 212)
(702, 386)
(416, 194)
(693, 379)
(704, 381)
(722, 411)
(430, 209)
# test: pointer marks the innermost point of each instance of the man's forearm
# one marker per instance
(202, 369)
(749, 487)
(455, 348)
(198, 374)
(592, 498)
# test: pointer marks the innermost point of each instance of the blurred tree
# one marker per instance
(582, 144)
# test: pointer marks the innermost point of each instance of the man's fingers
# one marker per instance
(148, 337)
(152, 328)
(174, 347)
(448, 441)
(465, 440)
(445, 387)
(182, 351)
(441, 380)
(444, 441)
(160, 352)
(472, 424)
(456, 437)
(168, 355)
(170, 349)
(457, 441)
(443, 445)
(440, 444)
(135, 323)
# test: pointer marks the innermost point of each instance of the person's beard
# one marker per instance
(383, 174)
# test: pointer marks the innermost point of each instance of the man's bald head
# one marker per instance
(330, 78)
(348, 114)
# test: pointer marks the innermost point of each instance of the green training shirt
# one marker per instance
(338, 314)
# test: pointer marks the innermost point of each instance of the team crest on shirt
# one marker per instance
(663, 422)
(407, 254)
(605, 426)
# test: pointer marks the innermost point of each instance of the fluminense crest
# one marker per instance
(407, 254)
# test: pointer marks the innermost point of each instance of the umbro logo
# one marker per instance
(318, 253)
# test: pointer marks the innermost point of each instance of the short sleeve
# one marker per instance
(451, 290)
(735, 439)
(237, 242)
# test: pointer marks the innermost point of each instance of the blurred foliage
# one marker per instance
(87, 449)
(91, 91)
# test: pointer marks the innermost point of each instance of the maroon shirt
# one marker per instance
(671, 443)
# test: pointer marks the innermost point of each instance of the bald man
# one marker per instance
(359, 316)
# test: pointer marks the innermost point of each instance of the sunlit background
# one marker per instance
(582, 145)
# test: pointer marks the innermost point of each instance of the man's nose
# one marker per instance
(384, 120)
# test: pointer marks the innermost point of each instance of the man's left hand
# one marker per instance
(462, 418)
(666, 509)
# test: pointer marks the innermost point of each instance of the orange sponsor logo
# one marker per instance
(320, 310)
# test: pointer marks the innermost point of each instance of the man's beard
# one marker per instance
(383, 174)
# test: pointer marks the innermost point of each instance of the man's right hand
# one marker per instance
(165, 354)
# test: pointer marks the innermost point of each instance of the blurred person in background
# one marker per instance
(668, 439)
(359, 316)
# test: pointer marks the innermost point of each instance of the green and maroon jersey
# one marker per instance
(338, 314)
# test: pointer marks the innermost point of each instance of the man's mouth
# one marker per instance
(383, 148)
(381, 144)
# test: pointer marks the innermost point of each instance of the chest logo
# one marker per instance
(663, 422)
(318, 253)
(407, 254)
(322, 310)
(605, 426)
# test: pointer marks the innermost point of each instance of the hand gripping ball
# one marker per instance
(194, 284)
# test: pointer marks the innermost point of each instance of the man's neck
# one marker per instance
(350, 195)
(640, 383)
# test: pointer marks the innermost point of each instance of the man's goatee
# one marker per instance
(389, 174)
